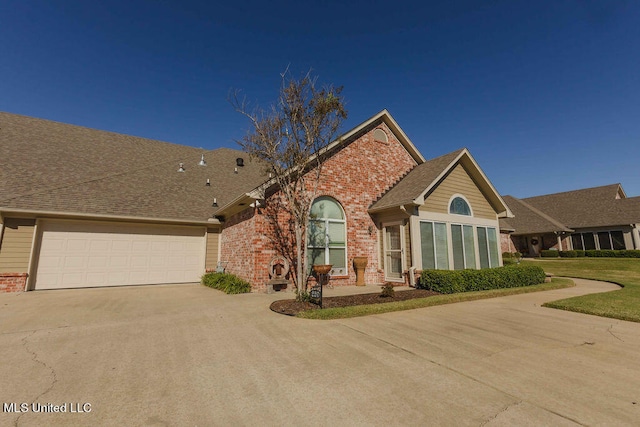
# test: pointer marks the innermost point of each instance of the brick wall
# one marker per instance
(13, 282)
(356, 176)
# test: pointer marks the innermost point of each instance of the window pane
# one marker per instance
(493, 247)
(589, 241)
(576, 239)
(618, 240)
(394, 264)
(603, 240)
(428, 249)
(458, 251)
(442, 246)
(316, 257)
(482, 246)
(393, 237)
(316, 233)
(337, 258)
(326, 207)
(336, 234)
(469, 247)
(459, 206)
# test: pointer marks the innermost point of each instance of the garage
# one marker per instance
(84, 254)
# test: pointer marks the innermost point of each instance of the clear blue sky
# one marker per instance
(545, 94)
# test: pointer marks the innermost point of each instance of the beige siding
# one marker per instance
(211, 260)
(15, 247)
(459, 182)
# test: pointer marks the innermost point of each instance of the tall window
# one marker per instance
(606, 240)
(435, 251)
(488, 247)
(459, 206)
(327, 235)
(464, 253)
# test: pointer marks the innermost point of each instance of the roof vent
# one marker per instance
(181, 168)
(202, 162)
(208, 184)
(240, 162)
(235, 170)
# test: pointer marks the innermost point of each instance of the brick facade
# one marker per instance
(13, 282)
(359, 173)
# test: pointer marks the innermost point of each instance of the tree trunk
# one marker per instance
(299, 263)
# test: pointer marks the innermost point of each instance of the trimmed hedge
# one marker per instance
(609, 253)
(227, 283)
(549, 253)
(511, 255)
(568, 254)
(455, 281)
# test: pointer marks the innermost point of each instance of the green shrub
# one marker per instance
(549, 253)
(509, 261)
(455, 281)
(628, 253)
(579, 253)
(568, 254)
(227, 283)
(511, 255)
(609, 253)
(387, 291)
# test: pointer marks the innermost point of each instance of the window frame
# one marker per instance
(464, 199)
(338, 271)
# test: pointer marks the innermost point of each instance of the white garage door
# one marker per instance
(89, 254)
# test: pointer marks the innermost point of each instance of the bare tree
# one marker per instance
(289, 139)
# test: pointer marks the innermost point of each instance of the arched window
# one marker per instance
(459, 206)
(327, 235)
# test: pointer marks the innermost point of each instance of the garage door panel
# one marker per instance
(89, 254)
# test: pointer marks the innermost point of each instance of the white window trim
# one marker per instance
(335, 272)
(463, 198)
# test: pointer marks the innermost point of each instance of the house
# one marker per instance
(85, 208)
(591, 218)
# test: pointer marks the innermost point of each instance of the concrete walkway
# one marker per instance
(190, 355)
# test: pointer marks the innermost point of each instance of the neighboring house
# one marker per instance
(84, 208)
(591, 218)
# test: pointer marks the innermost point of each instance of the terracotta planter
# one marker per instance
(322, 268)
(360, 264)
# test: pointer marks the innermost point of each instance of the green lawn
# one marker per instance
(621, 304)
(366, 310)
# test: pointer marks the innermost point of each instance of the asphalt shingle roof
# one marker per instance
(50, 166)
(415, 182)
(528, 220)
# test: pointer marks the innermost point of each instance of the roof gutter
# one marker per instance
(4, 212)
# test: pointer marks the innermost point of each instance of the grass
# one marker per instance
(366, 310)
(622, 304)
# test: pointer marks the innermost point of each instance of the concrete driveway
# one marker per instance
(189, 355)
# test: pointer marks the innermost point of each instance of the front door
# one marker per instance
(393, 250)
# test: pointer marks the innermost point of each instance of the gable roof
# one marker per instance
(529, 220)
(421, 180)
(242, 200)
(59, 168)
(589, 207)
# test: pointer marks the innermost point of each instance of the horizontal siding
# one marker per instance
(459, 182)
(15, 247)
(211, 260)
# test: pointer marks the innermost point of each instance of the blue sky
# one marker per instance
(545, 94)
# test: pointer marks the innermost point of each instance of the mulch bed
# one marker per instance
(291, 307)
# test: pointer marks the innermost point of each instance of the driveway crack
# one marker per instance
(609, 329)
(505, 409)
(35, 358)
